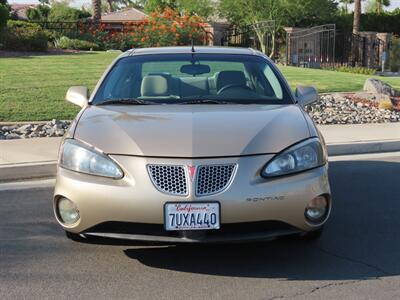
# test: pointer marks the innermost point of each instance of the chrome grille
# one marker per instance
(212, 179)
(169, 179)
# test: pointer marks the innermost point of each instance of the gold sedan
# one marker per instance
(192, 144)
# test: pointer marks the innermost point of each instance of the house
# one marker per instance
(116, 19)
(18, 11)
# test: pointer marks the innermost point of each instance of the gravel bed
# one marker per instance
(53, 128)
(338, 109)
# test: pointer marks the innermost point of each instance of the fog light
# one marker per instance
(317, 209)
(67, 211)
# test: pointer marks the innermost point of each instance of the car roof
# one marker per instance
(188, 50)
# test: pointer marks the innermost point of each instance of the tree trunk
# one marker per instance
(356, 30)
(273, 44)
(261, 37)
(379, 5)
(96, 5)
(357, 16)
(110, 5)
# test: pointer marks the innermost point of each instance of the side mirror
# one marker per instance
(78, 95)
(306, 95)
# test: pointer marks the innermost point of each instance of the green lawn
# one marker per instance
(331, 81)
(33, 88)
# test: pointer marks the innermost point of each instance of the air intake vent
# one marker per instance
(213, 179)
(169, 179)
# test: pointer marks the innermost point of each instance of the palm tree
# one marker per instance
(346, 4)
(357, 16)
(96, 6)
(380, 4)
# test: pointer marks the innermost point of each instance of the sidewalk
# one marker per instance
(361, 138)
(29, 150)
(30, 158)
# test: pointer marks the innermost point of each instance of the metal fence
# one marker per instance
(324, 46)
(360, 51)
(311, 47)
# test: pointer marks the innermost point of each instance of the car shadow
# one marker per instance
(360, 241)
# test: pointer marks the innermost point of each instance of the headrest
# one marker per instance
(225, 78)
(154, 85)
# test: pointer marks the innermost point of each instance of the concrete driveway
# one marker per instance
(358, 256)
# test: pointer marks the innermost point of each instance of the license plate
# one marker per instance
(192, 216)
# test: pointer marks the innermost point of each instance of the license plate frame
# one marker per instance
(214, 206)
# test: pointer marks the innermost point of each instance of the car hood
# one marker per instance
(192, 131)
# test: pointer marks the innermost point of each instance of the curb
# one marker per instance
(25, 171)
(48, 169)
(29, 122)
(363, 147)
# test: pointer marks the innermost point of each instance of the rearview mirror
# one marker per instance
(306, 95)
(78, 95)
(195, 69)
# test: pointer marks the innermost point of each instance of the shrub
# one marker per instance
(386, 104)
(385, 22)
(67, 43)
(4, 15)
(395, 55)
(24, 36)
(60, 13)
(39, 13)
(356, 70)
(167, 28)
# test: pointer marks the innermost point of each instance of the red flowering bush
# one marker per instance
(167, 28)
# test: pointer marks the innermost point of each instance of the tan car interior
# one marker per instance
(165, 85)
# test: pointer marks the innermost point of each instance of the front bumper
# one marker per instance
(133, 202)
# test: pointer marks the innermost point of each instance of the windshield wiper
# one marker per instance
(126, 101)
(205, 101)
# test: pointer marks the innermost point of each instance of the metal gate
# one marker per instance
(311, 47)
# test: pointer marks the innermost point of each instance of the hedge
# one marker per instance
(24, 36)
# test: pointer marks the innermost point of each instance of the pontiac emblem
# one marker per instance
(192, 172)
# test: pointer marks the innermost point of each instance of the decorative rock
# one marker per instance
(12, 136)
(24, 128)
(376, 86)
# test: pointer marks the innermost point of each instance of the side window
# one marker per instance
(122, 82)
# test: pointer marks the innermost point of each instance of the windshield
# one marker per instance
(192, 79)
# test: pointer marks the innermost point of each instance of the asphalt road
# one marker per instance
(358, 256)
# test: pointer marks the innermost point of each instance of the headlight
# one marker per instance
(78, 157)
(300, 157)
